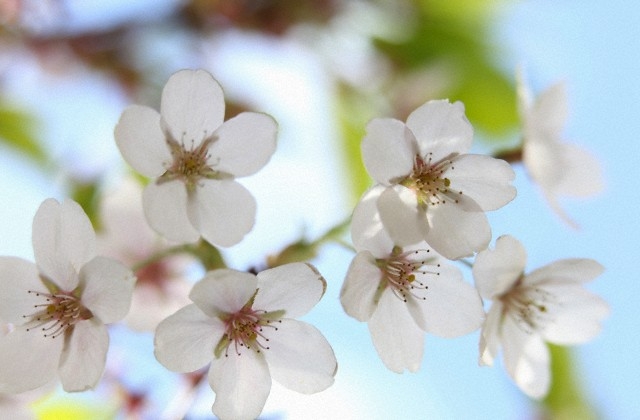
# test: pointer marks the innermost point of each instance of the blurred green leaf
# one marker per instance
(17, 131)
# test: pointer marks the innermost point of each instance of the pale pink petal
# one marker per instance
(496, 271)
(451, 307)
(367, 231)
(17, 277)
(165, 207)
(388, 150)
(582, 175)
(244, 144)
(360, 285)
(441, 128)
(527, 360)
(485, 179)
(222, 211)
(186, 340)
(63, 241)
(490, 339)
(106, 288)
(192, 106)
(141, 141)
(84, 356)
(299, 357)
(242, 385)
(28, 360)
(401, 216)
(570, 270)
(456, 233)
(223, 291)
(395, 335)
(294, 288)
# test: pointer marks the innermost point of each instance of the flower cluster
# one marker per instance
(425, 212)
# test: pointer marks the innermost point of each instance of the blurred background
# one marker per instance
(323, 68)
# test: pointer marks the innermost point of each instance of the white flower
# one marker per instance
(403, 293)
(60, 305)
(194, 159)
(548, 304)
(560, 169)
(245, 324)
(435, 191)
(161, 287)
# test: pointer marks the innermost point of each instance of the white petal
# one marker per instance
(452, 307)
(244, 144)
(222, 211)
(299, 357)
(582, 175)
(496, 271)
(485, 179)
(360, 286)
(527, 361)
(28, 360)
(367, 231)
(549, 112)
(186, 340)
(490, 334)
(441, 128)
(570, 270)
(192, 106)
(141, 141)
(165, 207)
(456, 233)
(395, 335)
(543, 161)
(242, 385)
(106, 287)
(294, 288)
(84, 356)
(63, 241)
(223, 291)
(403, 220)
(388, 150)
(17, 277)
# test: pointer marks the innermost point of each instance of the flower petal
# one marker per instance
(569, 270)
(395, 335)
(405, 223)
(192, 106)
(28, 360)
(485, 179)
(222, 211)
(582, 175)
(186, 340)
(441, 128)
(242, 385)
(496, 271)
(360, 286)
(549, 113)
(244, 144)
(294, 288)
(456, 233)
(223, 291)
(63, 241)
(367, 231)
(84, 357)
(17, 277)
(106, 287)
(141, 141)
(451, 307)
(490, 334)
(388, 150)
(300, 358)
(165, 207)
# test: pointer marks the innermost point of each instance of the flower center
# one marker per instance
(58, 313)
(189, 165)
(529, 306)
(245, 328)
(428, 182)
(401, 271)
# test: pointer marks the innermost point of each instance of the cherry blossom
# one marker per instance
(434, 190)
(194, 158)
(559, 168)
(403, 293)
(59, 306)
(161, 286)
(243, 324)
(549, 304)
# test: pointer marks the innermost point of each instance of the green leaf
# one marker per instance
(17, 130)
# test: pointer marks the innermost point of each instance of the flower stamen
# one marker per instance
(59, 313)
(402, 271)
